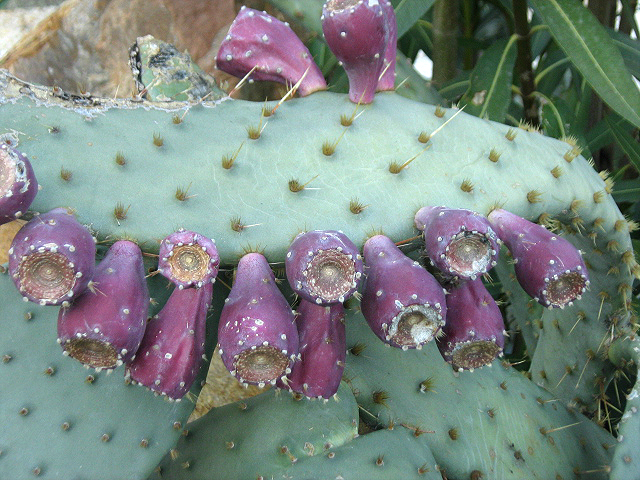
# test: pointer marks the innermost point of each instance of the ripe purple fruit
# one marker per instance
(323, 350)
(256, 39)
(52, 258)
(18, 185)
(188, 259)
(357, 33)
(459, 242)
(104, 326)
(548, 267)
(474, 332)
(257, 334)
(323, 266)
(171, 351)
(403, 303)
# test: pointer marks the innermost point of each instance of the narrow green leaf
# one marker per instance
(628, 144)
(408, 12)
(489, 93)
(629, 49)
(593, 53)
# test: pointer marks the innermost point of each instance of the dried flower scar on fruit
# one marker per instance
(52, 258)
(18, 185)
(257, 334)
(323, 266)
(357, 33)
(474, 332)
(323, 350)
(548, 267)
(403, 303)
(188, 259)
(171, 351)
(458, 242)
(262, 43)
(104, 326)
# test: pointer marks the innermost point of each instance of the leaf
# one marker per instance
(489, 94)
(593, 53)
(629, 49)
(628, 144)
(408, 12)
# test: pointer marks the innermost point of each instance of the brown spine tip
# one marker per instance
(295, 186)
(176, 119)
(158, 140)
(346, 120)
(380, 397)
(439, 111)
(424, 137)
(467, 186)
(328, 148)
(557, 171)
(575, 205)
(237, 225)
(534, 196)
(120, 212)
(357, 349)
(182, 193)
(494, 155)
(620, 225)
(511, 134)
(380, 461)
(356, 206)
(453, 433)
(120, 159)
(253, 132)
(570, 155)
(65, 174)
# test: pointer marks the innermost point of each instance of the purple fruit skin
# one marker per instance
(472, 315)
(440, 224)
(171, 351)
(116, 311)
(399, 279)
(539, 254)
(323, 349)
(255, 312)
(59, 230)
(258, 39)
(186, 237)
(298, 257)
(388, 77)
(15, 200)
(358, 36)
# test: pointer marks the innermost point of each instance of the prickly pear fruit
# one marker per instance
(403, 303)
(104, 326)
(323, 266)
(188, 259)
(52, 258)
(357, 34)
(170, 354)
(18, 185)
(258, 40)
(323, 350)
(257, 333)
(459, 242)
(388, 75)
(474, 332)
(548, 267)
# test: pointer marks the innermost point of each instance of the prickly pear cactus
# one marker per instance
(252, 176)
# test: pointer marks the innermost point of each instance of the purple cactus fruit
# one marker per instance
(357, 33)
(257, 334)
(322, 351)
(474, 332)
(171, 351)
(388, 74)
(256, 39)
(188, 259)
(18, 185)
(548, 267)
(104, 326)
(52, 258)
(323, 266)
(458, 242)
(403, 303)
